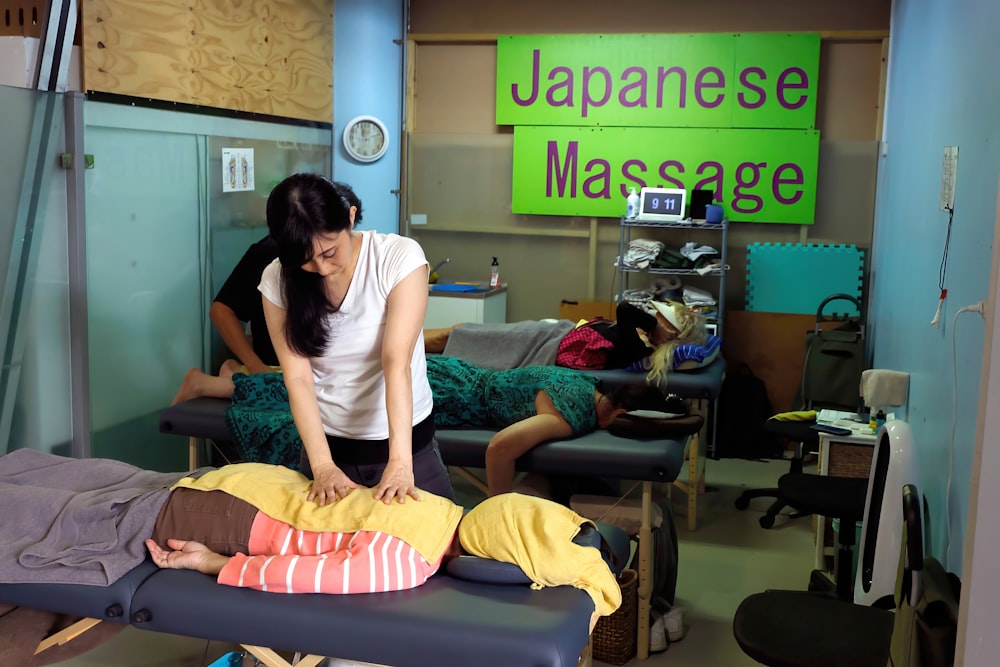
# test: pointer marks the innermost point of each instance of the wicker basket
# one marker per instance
(614, 638)
(849, 460)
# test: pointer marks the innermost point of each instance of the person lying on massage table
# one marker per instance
(238, 301)
(530, 405)
(675, 338)
(675, 325)
(251, 525)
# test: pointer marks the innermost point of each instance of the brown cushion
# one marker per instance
(627, 425)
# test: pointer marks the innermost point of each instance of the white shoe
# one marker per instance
(673, 624)
(657, 636)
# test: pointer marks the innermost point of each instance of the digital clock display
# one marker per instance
(662, 204)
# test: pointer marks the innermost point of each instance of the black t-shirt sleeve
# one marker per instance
(240, 293)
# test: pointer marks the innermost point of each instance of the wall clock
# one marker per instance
(366, 138)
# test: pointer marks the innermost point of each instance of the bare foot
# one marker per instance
(192, 386)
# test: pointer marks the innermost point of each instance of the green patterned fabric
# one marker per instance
(469, 396)
(260, 420)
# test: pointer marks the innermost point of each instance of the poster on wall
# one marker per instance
(237, 170)
(757, 175)
(595, 115)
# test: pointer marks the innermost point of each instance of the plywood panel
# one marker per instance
(271, 57)
(22, 18)
(773, 345)
(465, 76)
(848, 96)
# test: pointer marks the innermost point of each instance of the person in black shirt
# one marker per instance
(238, 301)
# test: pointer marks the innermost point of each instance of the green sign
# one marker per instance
(759, 80)
(758, 175)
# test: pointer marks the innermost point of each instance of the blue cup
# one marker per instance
(713, 213)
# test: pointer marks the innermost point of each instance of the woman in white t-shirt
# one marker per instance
(345, 311)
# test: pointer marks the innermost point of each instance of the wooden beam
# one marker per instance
(488, 38)
(271, 658)
(67, 635)
(883, 78)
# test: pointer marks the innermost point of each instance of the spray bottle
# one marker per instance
(632, 210)
(495, 274)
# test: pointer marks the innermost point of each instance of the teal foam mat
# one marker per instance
(795, 278)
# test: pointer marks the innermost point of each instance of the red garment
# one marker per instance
(584, 348)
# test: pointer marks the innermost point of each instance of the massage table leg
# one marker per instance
(645, 585)
(271, 658)
(194, 444)
(695, 482)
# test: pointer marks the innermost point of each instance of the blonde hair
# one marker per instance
(690, 330)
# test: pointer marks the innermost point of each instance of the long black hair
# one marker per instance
(637, 396)
(299, 208)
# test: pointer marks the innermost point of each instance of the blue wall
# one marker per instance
(367, 80)
(943, 90)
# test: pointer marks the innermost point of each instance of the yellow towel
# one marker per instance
(427, 525)
(536, 534)
(796, 416)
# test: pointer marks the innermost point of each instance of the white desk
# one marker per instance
(841, 456)
(447, 308)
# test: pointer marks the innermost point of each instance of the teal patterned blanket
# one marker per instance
(260, 420)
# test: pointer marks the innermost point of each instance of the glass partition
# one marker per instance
(162, 236)
(237, 219)
(146, 266)
(34, 318)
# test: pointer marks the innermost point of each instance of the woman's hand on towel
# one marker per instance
(186, 555)
(330, 484)
(397, 482)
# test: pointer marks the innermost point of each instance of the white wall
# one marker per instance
(18, 63)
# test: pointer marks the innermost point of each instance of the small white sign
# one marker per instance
(949, 169)
(237, 170)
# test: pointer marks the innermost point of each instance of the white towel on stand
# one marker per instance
(884, 388)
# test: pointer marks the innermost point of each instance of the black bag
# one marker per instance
(665, 559)
(743, 408)
(835, 358)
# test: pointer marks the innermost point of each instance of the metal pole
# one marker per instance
(76, 229)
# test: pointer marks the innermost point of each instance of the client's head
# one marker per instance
(676, 325)
(626, 398)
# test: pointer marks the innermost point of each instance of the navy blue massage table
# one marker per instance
(594, 454)
(447, 621)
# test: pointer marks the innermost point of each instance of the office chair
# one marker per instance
(831, 373)
(840, 498)
(803, 629)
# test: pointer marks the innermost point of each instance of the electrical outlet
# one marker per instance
(418, 218)
(949, 165)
